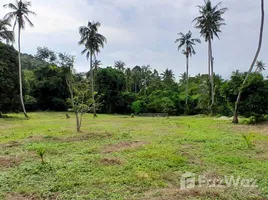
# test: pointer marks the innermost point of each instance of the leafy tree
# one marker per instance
(188, 43)
(92, 42)
(49, 88)
(110, 83)
(81, 101)
(235, 119)
(5, 34)
(209, 22)
(43, 53)
(9, 87)
(20, 13)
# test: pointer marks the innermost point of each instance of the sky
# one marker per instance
(142, 32)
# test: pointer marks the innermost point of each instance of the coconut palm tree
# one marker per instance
(209, 22)
(20, 12)
(128, 75)
(188, 43)
(92, 42)
(235, 119)
(120, 65)
(260, 66)
(168, 76)
(5, 34)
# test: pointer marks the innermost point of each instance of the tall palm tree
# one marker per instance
(209, 22)
(260, 66)
(92, 42)
(235, 119)
(188, 43)
(20, 12)
(5, 34)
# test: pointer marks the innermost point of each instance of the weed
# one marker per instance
(249, 139)
(41, 152)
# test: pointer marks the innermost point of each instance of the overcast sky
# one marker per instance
(143, 32)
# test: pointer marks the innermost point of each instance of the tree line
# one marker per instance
(48, 80)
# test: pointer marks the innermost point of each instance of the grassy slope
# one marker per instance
(119, 157)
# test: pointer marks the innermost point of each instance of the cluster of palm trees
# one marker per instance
(209, 22)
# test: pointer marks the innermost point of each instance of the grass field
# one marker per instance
(119, 157)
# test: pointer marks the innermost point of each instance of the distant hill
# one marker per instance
(30, 62)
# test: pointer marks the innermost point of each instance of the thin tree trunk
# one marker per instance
(212, 79)
(20, 77)
(187, 78)
(81, 118)
(235, 119)
(209, 60)
(77, 122)
(92, 85)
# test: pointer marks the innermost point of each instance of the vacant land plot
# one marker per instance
(119, 157)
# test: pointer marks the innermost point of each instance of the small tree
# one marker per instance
(80, 99)
(80, 96)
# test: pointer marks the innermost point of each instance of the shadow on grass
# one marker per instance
(13, 118)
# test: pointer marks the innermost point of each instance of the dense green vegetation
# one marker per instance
(119, 89)
(119, 157)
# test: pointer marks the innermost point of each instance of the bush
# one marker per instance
(256, 119)
(136, 106)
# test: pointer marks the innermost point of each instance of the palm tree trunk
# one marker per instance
(20, 77)
(92, 84)
(212, 79)
(187, 78)
(235, 119)
(209, 62)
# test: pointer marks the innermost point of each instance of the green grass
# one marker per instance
(119, 157)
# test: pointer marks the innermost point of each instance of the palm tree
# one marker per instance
(20, 12)
(209, 22)
(120, 65)
(168, 76)
(5, 34)
(235, 119)
(92, 42)
(188, 42)
(260, 66)
(128, 75)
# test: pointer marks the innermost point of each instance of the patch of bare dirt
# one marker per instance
(124, 146)
(260, 128)
(10, 144)
(82, 137)
(9, 161)
(111, 161)
(174, 193)
(188, 151)
(21, 197)
(261, 149)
